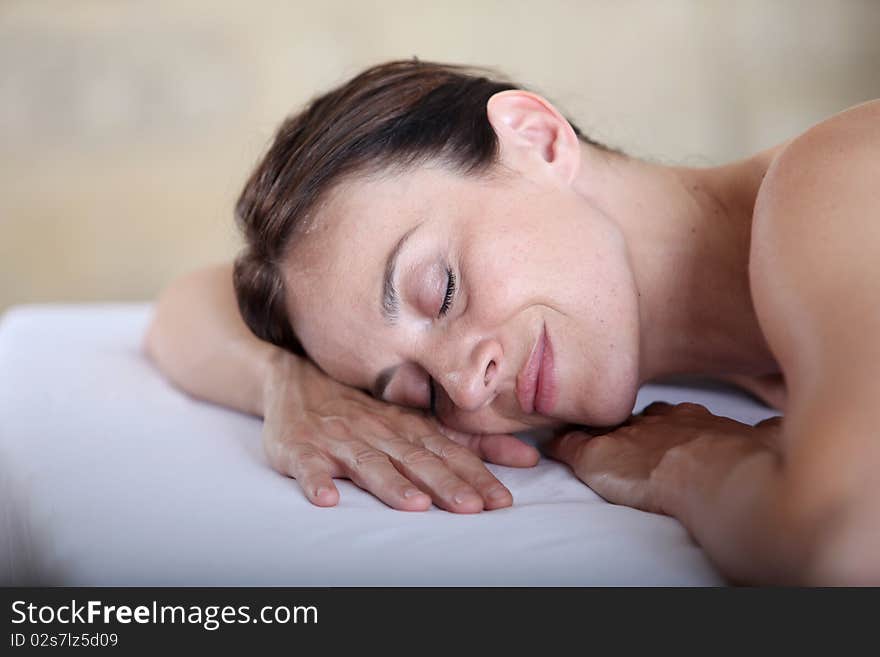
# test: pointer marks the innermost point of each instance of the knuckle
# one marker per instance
(353, 454)
(333, 426)
(306, 460)
(581, 455)
(486, 482)
(584, 446)
(573, 441)
(691, 407)
(450, 451)
(417, 456)
(451, 484)
(297, 459)
(365, 456)
(303, 453)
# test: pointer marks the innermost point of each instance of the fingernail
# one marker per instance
(411, 492)
(464, 498)
(321, 490)
(497, 493)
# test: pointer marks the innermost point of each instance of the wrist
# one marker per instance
(692, 477)
(280, 367)
(668, 482)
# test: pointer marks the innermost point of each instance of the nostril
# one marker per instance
(490, 372)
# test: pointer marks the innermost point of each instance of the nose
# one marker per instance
(472, 382)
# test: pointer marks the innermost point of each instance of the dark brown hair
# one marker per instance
(397, 114)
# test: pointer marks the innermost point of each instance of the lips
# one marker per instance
(536, 382)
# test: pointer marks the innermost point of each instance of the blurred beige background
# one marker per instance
(127, 128)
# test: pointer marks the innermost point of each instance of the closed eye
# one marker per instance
(450, 292)
(432, 391)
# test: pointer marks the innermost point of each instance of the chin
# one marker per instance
(611, 402)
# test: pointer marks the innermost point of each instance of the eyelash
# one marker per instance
(450, 292)
(444, 308)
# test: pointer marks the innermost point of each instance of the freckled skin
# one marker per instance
(621, 261)
(638, 271)
(763, 272)
(520, 263)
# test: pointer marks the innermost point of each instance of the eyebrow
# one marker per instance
(390, 305)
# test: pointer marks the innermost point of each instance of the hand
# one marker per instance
(652, 460)
(316, 429)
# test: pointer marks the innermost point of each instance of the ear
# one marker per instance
(529, 125)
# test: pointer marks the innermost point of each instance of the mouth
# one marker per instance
(536, 382)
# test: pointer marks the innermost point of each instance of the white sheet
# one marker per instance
(109, 476)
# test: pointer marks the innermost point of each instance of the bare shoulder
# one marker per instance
(841, 151)
(814, 264)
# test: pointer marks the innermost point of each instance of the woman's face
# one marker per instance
(511, 296)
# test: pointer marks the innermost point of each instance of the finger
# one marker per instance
(568, 447)
(691, 407)
(770, 431)
(770, 423)
(373, 471)
(312, 473)
(504, 449)
(425, 468)
(471, 469)
(500, 448)
(657, 408)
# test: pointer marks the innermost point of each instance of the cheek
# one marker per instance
(502, 275)
(533, 256)
(409, 387)
(344, 349)
(601, 362)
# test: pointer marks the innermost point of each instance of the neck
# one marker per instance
(688, 233)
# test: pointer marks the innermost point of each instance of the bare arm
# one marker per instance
(791, 500)
(199, 341)
(315, 428)
(816, 286)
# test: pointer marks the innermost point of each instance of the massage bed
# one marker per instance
(109, 476)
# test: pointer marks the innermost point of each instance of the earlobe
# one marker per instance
(527, 124)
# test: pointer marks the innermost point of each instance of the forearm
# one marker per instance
(778, 502)
(737, 507)
(199, 341)
(760, 524)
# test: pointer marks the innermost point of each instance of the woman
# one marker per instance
(453, 244)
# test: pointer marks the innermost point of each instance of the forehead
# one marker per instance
(367, 211)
